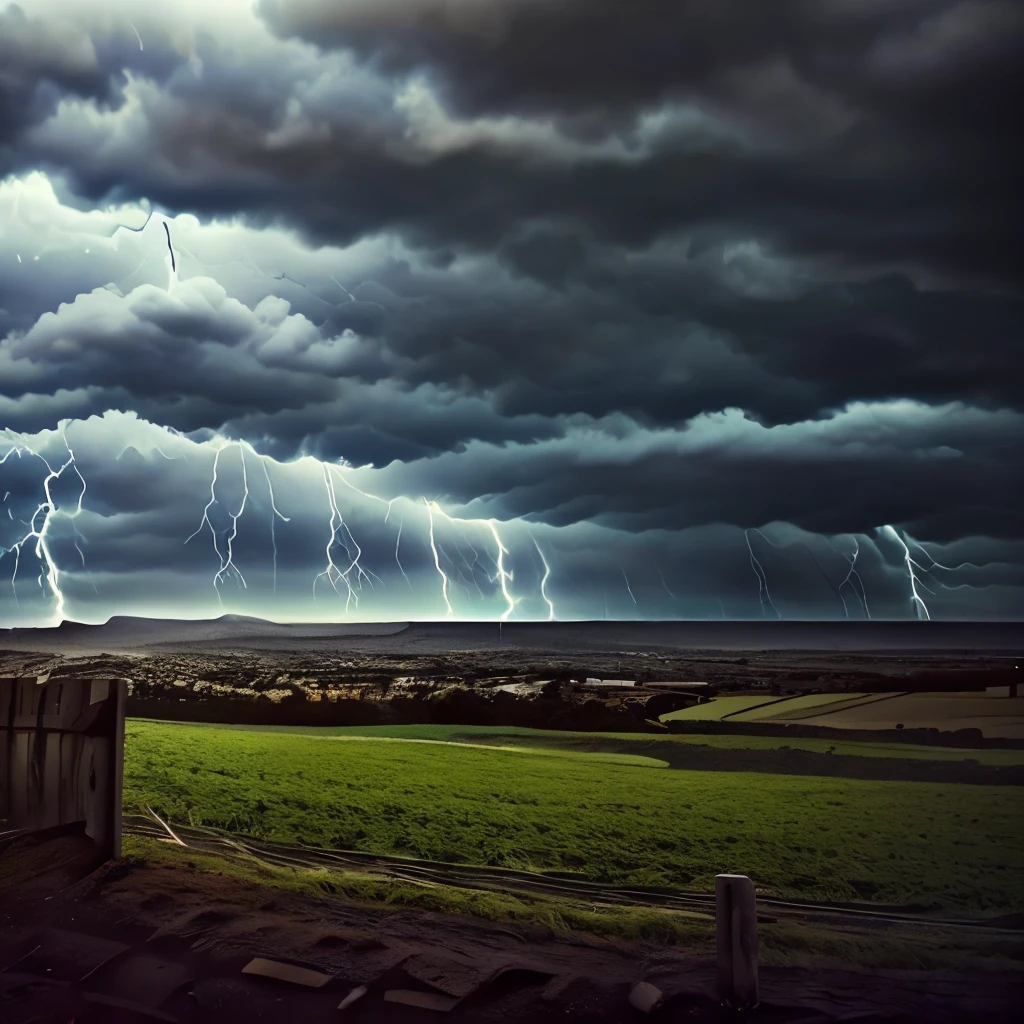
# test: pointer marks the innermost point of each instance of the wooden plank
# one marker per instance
(279, 971)
(27, 695)
(421, 1000)
(6, 698)
(5, 772)
(97, 789)
(18, 812)
(119, 694)
(72, 807)
(49, 808)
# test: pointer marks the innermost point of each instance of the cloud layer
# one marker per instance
(633, 283)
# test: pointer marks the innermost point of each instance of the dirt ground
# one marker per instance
(135, 942)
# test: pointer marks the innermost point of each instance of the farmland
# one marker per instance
(1001, 717)
(633, 821)
(995, 714)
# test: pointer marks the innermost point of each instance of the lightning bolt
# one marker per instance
(666, 587)
(332, 572)
(227, 565)
(40, 531)
(916, 581)
(629, 589)
(275, 515)
(852, 575)
(915, 598)
(437, 561)
(938, 565)
(503, 577)
(762, 579)
(544, 581)
(205, 521)
(170, 249)
(398, 541)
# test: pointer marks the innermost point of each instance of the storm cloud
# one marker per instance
(656, 297)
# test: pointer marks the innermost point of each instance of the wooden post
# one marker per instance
(120, 688)
(736, 929)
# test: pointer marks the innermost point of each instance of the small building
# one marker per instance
(674, 686)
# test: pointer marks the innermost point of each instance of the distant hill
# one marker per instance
(125, 634)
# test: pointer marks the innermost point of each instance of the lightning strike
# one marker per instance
(629, 589)
(503, 576)
(275, 515)
(544, 581)
(332, 572)
(915, 598)
(173, 279)
(398, 541)
(665, 586)
(762, 579)
(852, 575)
(229, 565)
(40, 531)
(930, 569)
(437, 561)
(206, 521)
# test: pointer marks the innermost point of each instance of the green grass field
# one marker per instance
(806, 704)
(957, 847)
(642, 745)
(764, 707)
(717, 709)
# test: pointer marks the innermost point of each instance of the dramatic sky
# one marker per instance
(521, 308)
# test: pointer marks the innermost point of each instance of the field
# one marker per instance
(1001, 717)
(721, 707)
(763, 707)
(630, 821)
(646, 747)
(800, 707)
(996, 715)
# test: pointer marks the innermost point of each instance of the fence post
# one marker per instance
(736, 932)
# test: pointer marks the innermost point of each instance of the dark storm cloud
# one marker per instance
(39, 65)
(844, 474)
(912, 98)
(630, 271)
(44, 60)
(876, 133)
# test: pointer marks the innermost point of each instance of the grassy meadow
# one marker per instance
(641, 745)
(614, 815)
